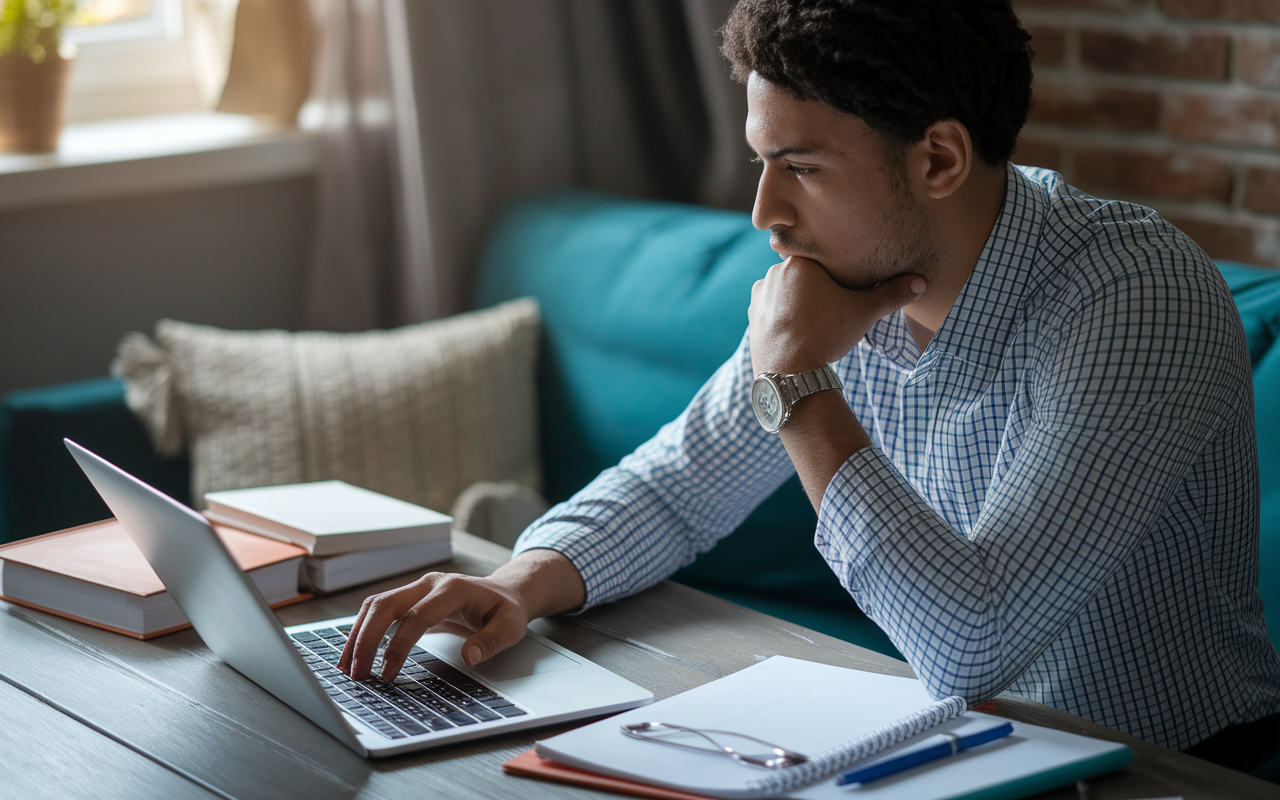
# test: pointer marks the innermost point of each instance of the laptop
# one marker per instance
(435, 700)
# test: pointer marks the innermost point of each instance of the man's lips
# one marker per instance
(787, 254)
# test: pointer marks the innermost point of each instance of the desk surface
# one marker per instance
(84, 712)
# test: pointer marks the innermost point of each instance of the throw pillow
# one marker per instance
(419, 413)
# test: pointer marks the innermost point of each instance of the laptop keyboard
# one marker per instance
(428, 694)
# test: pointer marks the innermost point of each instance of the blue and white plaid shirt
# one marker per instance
(1062, 498)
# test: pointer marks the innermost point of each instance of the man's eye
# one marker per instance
(799, 170)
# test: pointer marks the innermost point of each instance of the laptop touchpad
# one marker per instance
(524, 659)
(527, 658)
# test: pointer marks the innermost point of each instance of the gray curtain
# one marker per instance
(491, 99)
(355, 245)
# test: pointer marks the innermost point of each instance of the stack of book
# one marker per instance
(351, 535)
(292, 541)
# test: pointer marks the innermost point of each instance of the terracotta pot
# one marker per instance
(33, 99)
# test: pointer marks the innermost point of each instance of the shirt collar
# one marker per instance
(986, 313)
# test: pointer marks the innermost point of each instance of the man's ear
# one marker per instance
(943, 158)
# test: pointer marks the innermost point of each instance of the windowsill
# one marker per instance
(104, 160)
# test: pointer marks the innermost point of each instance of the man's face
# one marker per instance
(831, 190)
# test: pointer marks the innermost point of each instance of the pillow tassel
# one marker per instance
(149, 392)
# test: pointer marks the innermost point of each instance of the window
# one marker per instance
(133, 59)
(101, 21)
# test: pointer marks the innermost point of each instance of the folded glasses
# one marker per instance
(654, 731)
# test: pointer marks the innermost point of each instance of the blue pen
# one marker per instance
(915, 758)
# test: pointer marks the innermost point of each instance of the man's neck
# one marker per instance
(961, 227)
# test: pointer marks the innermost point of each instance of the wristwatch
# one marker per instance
(774, 395)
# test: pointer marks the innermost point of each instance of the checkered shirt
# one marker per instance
(1062, 495)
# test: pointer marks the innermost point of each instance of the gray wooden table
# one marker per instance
(87, 713)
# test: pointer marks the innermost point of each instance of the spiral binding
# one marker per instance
(835, 759)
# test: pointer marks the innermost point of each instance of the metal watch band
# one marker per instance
(802, 384)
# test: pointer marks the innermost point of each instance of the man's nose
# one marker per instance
(771, 207)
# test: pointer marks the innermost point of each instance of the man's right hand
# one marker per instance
(537, 583)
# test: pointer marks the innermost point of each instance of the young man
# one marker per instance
(1033, 460)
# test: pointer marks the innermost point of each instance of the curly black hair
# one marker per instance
(899, 65)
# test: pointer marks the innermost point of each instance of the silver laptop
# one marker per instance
(436, 699)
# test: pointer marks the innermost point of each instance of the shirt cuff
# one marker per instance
(607, 561)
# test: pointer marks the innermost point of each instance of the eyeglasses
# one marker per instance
(651, 731)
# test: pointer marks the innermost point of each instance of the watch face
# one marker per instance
(767, 403)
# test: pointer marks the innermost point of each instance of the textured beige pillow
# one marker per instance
(419, 413)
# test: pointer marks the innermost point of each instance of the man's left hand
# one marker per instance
(802, 319)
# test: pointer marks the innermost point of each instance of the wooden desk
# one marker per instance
(86, 713)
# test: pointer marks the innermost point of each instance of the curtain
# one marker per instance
(480, 101)
(354, 248)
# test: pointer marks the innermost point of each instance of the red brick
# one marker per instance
(1262, 190)
(1230, 10)
(1202, 56)
(1227, 241)
(1177, 176)
(1123, 110)
(1258, 59)
(1049, 43)
(1100, 5)
(1237, 118)
(1038, 153)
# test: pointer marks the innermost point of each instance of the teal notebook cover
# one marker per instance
(1053, 778)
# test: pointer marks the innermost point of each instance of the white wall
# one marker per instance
(75, 278)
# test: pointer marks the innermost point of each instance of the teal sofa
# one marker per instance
(641, 301)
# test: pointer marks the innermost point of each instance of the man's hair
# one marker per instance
(898, 65)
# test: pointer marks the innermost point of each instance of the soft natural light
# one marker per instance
(133, 60)
(105, 12)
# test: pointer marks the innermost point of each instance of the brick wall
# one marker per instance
(1171, 103)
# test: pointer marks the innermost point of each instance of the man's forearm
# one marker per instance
(545, 581)
(820, 436)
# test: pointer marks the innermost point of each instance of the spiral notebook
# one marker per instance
(820, 710)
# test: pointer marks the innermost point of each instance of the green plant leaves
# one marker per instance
(33, 28)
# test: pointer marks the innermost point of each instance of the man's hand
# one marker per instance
(801, 319)
(537, 583)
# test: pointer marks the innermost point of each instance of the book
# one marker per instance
(333, 573)
(327, 517)
(826, 712)
(95, 574)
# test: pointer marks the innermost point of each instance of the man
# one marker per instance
(1039, 475)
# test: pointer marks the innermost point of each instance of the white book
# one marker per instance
(327, 517)
(334, 573)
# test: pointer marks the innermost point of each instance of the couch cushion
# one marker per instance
(641, 302)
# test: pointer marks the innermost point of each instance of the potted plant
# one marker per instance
(35, 64)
